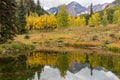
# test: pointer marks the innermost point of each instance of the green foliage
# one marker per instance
(21, 18)
(62, 64)
(39, 9)
(17, 46)
(86, 16)
(27, 36)
(110, 12)
(30, 5)
(116, 17)
(91, 9)
(104, 19)
(7, 20)
(62, 17)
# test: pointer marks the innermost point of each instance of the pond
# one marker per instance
(60, 66)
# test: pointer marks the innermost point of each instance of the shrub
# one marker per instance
(27, 37)
(17, 46)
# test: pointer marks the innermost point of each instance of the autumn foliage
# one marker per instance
(62, 19)
(41, 22)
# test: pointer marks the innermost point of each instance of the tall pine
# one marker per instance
(21, 18)
(7, 20)
(30, 6)
(39, 10)
(91, 9)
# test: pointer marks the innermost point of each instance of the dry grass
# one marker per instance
(115, 47)
(74, 36)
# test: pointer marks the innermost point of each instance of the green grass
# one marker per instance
(16, 47)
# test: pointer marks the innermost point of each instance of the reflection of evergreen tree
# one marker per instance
(91, 70)
(9, 66)
(62, 64)
(86, 58)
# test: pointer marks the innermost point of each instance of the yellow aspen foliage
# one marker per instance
(41, 22)
(29, 21)
(52, 21)
(79, 21)
(44, 20)
(82, 21)
(70, 20)
(94, 20)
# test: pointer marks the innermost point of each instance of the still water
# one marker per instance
(60, 66)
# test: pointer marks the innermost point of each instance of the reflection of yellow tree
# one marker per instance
(63, 61)
(37, 59)
(76, 57)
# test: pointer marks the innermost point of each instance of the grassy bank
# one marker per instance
(72, 37)
(115, 47)
(14, 47)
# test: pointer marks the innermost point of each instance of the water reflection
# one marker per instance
(60, 66)
(50, 73)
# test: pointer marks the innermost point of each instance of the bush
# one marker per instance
(17, 46)
(27, 37)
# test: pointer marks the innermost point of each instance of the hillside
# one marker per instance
(114, 3)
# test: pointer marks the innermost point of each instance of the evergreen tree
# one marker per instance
(104, 19)
(91, 9)
(7, 20)
(21, 18)
(86, 17)
(62, 17)
(39, 10)
(110, 13)
(30, 6)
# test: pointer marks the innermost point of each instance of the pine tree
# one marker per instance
(21, 18)
(104, 19)
(30, 6)
(62, 17)
(110, 13)
(39, 10)
(91, 9)
(7, 20)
